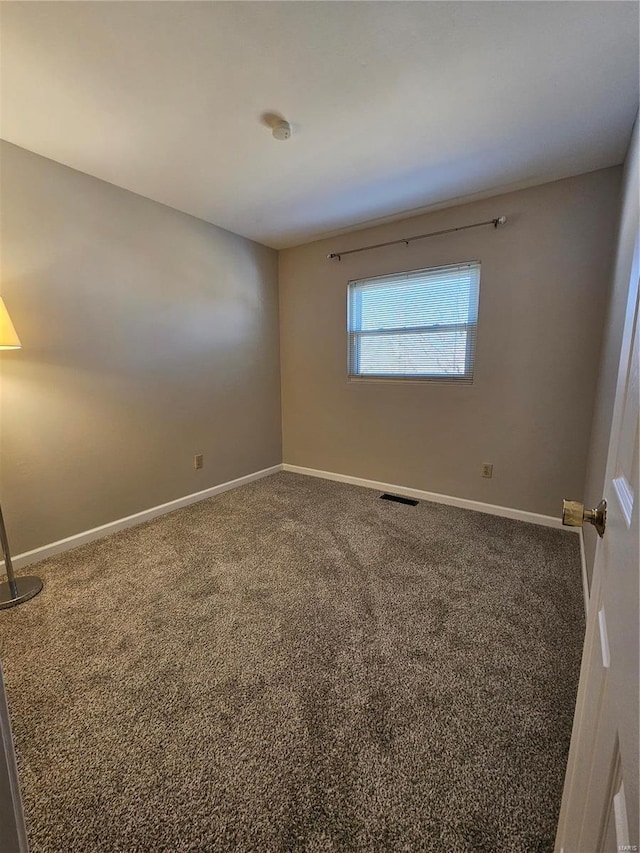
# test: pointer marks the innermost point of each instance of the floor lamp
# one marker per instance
(14, 590)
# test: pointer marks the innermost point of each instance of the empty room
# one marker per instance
(319, 426)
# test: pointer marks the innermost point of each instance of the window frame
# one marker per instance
(466, 378)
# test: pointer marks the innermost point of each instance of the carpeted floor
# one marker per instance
(298, 665)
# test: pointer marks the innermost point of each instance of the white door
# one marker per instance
(13, 834)
(600, 802)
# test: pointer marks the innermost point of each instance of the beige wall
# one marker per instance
(543, 294)
(148, 336)
(603, 412)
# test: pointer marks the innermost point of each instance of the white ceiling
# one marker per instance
(396, 106)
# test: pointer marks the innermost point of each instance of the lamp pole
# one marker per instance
(14, 590)
(8, 566)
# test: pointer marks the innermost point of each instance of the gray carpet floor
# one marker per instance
(297, 665)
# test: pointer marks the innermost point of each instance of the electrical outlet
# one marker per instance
(198, 460)
(487, 470)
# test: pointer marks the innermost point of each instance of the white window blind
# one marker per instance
(414, 325)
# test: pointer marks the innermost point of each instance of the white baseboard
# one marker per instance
(449, 500)
(28, 557)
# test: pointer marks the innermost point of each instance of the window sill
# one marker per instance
(466, 382)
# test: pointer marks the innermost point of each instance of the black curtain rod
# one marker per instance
(339, 255)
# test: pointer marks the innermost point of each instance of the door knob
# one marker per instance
(574, 515)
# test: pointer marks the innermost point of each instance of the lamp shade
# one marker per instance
(8, 337)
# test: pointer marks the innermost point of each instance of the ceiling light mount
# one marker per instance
(281, 130)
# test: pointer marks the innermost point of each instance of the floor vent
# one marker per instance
(398, 499)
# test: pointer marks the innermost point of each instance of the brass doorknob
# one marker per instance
(574, 515)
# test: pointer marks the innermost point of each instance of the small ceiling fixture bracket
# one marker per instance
(281, 130)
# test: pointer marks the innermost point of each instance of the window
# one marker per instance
(414, 325)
